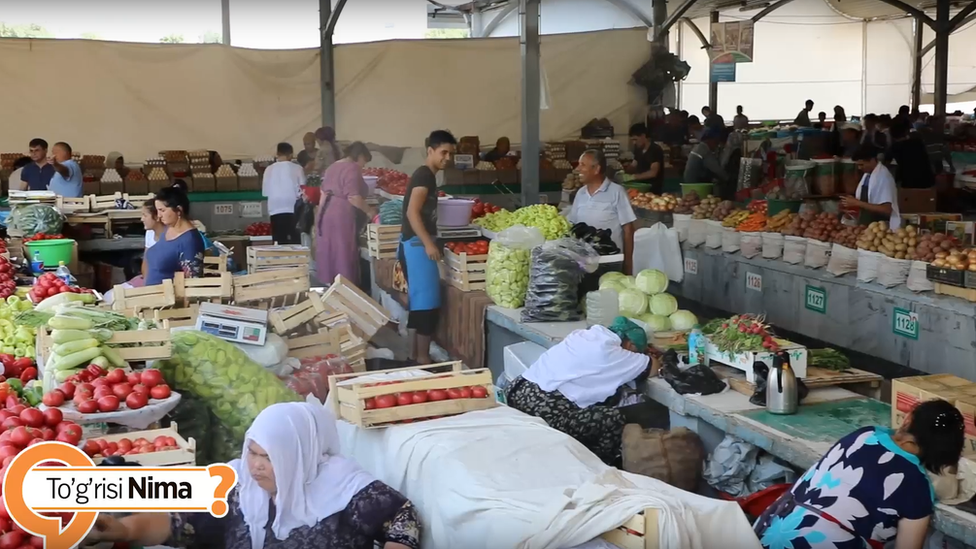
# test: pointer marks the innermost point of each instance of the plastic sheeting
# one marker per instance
(143, 98)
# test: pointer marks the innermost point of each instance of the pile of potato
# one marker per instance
(795, 227)
(705, 209)
(931, 244)
(897, 244)
(650, 201)
(779, 221)
(820, 226)
(847, 235)
(687, 203)
(957, 260)
(733, 219)
(723, 210)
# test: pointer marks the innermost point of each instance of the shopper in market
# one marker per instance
(66, 180)
(740, 121)
(282, 185)
(342, 213)
(648, 164)
(37, 175)
(307, 154)
(181, 247)
(821, 123)
(418, 251)
(912, 167)
(502, 147)
(803, 119)
(294, 491)
(16, 181)
(704, 165)
(328, 152)
(872, 133)
(871, 487)
(876, 197)
(572, 385)
(603, 204)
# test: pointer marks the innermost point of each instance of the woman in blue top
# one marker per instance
(871, 487)
(181, 247)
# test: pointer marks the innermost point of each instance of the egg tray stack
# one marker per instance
(177, 163)
(154, 182)
(556, 151)
(111, 182)
(226, 179)
(153, 162)
(136, 183)
(248, 178)
(199, 162)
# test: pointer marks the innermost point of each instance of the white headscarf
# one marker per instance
(587, 367)
(111, 158)
(313, 481)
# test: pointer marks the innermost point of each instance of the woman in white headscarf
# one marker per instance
(294, 492)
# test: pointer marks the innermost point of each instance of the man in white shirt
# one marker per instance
(603, 204)
(876, 196)
(282, 186)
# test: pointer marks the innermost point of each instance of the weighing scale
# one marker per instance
(450, 233)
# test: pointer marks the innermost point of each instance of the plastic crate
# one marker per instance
(969, 279)
(945, 276)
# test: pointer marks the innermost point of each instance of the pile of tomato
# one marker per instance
(408, 398)
(258, 229)
(478, 247)
(8, 284)
(18, 368)
(481, 208)
(100, 447)
(46, 285)
(42, 236)
(93, 390)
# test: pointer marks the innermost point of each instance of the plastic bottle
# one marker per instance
(602, 307)
(63, 273)
(37, 265)
(696, 345)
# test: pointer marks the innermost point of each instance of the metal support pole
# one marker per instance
(679, 43)
(476, 24)
(942, 31)
(326, 64)
(531, 95)
(659, 14)
(712, 86)
(225, 22)
(917, 30)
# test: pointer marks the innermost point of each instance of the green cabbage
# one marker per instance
(629, 282)
(683, 320)
(611, 284)
(663, 304)
(656, 323)
(652, 281)
(612, 275)
(632, 302)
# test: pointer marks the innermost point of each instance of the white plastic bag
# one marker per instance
(843, 260)
(713, 234)
(867, 265)
(892, 272)
(918, 280)
(657, 247)
(730, 240)
(268, 355)
(507, 272)
(751, 244)
(794, 249)
(682, 222)
(772, 245)
(697, 229)
(817, 254)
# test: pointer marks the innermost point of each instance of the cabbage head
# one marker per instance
(652, 281)
(656, 323)
(663, 304)
(612, 275)
(632, 302)
(683, 320)
(611, 284)
(629, 282)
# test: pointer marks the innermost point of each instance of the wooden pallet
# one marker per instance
(215, 289)
(138, 199)
(349, 401)
(856, 380)
(132, 301)
(177, 318)
(366, 315)
(325, 342)
(640, 532)
(271, 258)
(289, 319)
(352, 346)
(271, 286)
(185, 455)
(69, 205)
(969, 294)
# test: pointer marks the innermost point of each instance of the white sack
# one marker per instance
(657, 247)
(751, 245)
(817, 254)
(867, 265)
(713, 234)
(918, 279)
(730, 240)
(843, 260)
(893, 272)
(696, 232)
(681, 224)
(794, 249)
(772, 245)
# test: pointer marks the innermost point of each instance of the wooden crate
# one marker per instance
(382, 241)
(214, 289)
(131, 301)
(272, 258)
(365, 314)
(138, 199)
(464, 271)
(177, 318)
(969, 294)
(642, 531)
(287, 320)
(153, 344)
(325, 342)
(106, 202)
(350, 400)
(69, 205)
(352, 346)
(859, 381)
(271, 285)
(185, 455)
(214, 265)
(382, 250)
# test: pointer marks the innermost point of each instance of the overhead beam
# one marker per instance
(966, 21)
(911, 10)
(334, 18)
(694, 28)
(676, 16)
(959, 19)
(500, 17)
(917, 30)
(769, 9)
(631, 10)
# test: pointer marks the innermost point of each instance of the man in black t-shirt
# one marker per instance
(648, 164)
(419, 252)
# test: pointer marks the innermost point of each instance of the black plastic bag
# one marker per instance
(762, 373)
(554, 276)
(698, 379)
(304, 216)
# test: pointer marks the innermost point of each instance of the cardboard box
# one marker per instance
(203, 185)
(249, 183)
(908, 392)
(226, 184)
(91, 187)
(110, 188)
(962, 230)
(916, 200)
(936, 221)
(137, 187)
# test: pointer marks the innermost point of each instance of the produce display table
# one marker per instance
(924, 331)
(504, 327)
(824, 416)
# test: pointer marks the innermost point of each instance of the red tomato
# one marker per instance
(65, 425)
(453, 393)
(122, 390)
(420, 397)
(52, 417)
(160, 392)
(53, 399)
(71, 433)
(479, 392)
(12, 540)
(21, 437)
(136, 401)
(88, 407)
(68, 389)
(370, 403)
(48, 433)
(109, 403)
(404, 399)
(140, 388)
(95, 369)
(17, 409)
(12, 401)
(8, 450)
(125, 445)
(35, 543)
(465, 392)
(116, 376)
(152, 377)
(102, 392)
(134, 378)
(386, 401)
(67, 438)
(12, 423)
(437, 394)
(32, 417)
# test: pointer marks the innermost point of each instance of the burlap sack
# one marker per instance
(673, 456)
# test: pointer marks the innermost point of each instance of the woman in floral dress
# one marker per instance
(871, 487)
(294, 492)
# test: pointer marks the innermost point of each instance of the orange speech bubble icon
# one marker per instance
(46, 527)
(228, 478)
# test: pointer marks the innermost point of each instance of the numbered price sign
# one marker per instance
(251, 209)
(754, 282)
(905, 323)
(691, 266)
(815, 299)
(223, 209)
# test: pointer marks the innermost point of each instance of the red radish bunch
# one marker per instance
(94, 390)
(124, 447)
(753, 326)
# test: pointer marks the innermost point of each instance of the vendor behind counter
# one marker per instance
(603, 204)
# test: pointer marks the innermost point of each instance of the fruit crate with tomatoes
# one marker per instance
(465, 265)
(382, 241)
(152, 448)
(379, 399)
(95, 395)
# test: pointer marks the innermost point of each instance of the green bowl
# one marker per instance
(52, 252)
(774, 206)
(702, 189)
(639, 187)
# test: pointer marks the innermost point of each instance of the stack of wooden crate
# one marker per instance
(274, 258)
(366, 315)
(382, 240)
(464, 271)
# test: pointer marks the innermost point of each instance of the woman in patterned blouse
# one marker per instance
(294, 492)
